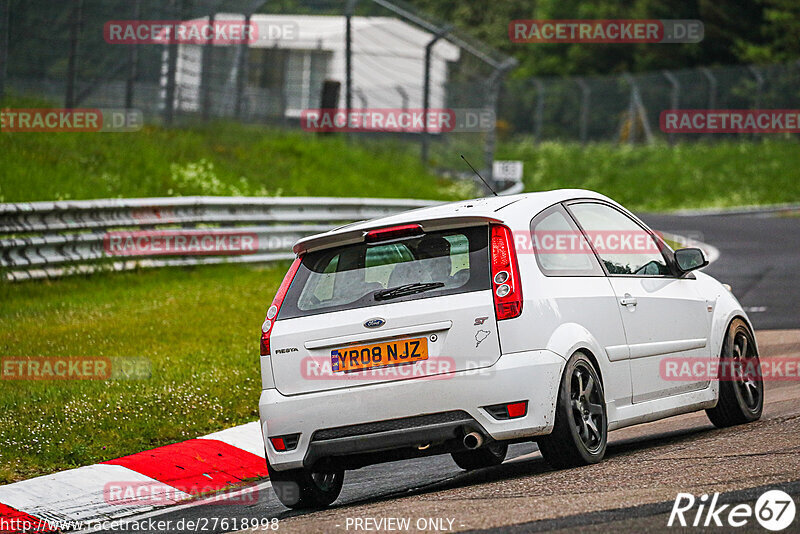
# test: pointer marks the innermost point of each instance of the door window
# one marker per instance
(624, 247)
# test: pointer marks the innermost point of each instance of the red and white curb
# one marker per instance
(73, 499)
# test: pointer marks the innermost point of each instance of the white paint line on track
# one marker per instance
(169, 509)
(246, 437)
(737, 210)
(711, 252)
(74, 495)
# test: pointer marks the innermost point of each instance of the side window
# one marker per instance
(623, 246)
(560, 247)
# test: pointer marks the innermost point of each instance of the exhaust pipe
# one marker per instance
(473, 440)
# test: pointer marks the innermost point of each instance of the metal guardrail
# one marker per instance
(51, 239)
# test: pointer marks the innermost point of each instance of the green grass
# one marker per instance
(199, 328)
(662, 178)
(232, 159)
(213, 159)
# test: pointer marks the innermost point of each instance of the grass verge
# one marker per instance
(199, 328)
(662, 178)
(212, 159)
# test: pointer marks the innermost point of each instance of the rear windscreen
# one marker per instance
(356, 276)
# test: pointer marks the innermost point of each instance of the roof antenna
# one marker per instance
(479, 175)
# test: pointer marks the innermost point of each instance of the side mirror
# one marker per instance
(689, 259)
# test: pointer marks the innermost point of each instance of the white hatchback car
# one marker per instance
(463, 327)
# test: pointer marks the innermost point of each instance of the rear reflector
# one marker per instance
(507, 288)
(517, 409)
(285, 443)
(511, 410)
(393, 232)
(269, 322)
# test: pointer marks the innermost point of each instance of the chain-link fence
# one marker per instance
(626, 108)
(347, 54)
(308, 54)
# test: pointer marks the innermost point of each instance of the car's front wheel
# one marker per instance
(580, 432)
(305, 488)
(741, 388)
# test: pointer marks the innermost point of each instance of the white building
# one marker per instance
(285, 73)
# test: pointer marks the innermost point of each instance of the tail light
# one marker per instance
(506, 285)
(272, 312)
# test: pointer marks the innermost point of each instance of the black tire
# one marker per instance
(305, 489)
(488, 456)
(580, 432)
(741, 388)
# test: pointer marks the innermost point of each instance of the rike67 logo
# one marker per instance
(774, 510)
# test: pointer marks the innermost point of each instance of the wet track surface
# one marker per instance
(646, 466)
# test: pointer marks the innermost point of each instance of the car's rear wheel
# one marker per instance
(304, 488)
(741, 388)
(492, 454)
(580, 432)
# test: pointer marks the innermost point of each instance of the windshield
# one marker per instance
(361, 275)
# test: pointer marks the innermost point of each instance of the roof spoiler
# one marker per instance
(356, 233)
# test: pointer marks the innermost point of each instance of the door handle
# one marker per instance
(628, 300)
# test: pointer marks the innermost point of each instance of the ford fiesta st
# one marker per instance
(461, 328)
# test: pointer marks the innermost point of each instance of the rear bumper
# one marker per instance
(532, 375)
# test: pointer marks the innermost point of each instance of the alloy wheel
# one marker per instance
(587, 408)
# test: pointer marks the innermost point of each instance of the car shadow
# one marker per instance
(519, 468)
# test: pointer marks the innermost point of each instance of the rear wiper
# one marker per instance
(407, 289)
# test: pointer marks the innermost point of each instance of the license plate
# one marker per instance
(358, 358)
